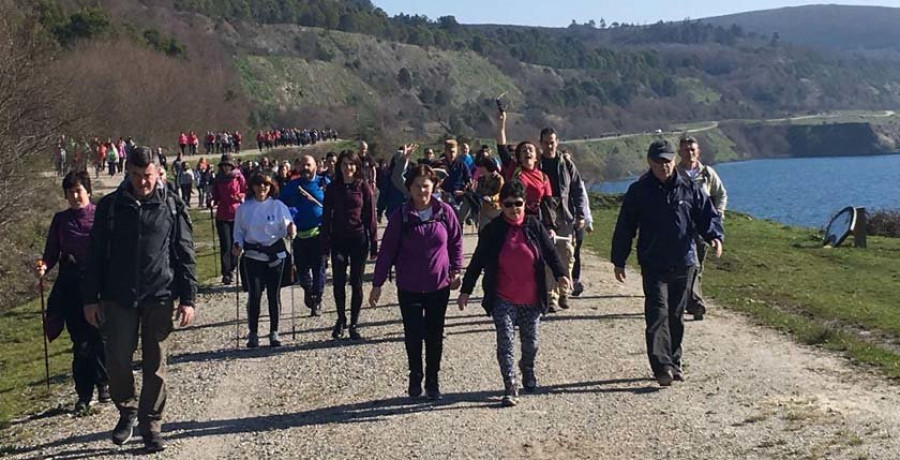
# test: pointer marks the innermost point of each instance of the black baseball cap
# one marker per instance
(660, 149)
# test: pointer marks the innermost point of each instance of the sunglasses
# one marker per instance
(514, 204)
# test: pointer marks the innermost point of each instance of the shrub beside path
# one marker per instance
(750, 392)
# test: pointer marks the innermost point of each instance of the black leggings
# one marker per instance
(576, 266)
(261, 275)
(348, 252)
(423, 321)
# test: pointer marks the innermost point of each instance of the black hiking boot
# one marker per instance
(124, 430)
(273, 340)
(511, 394)
(103, 393)
(665, 378)
(338, 332)
(529, 381)
(153, 442)
(252, 340)
(415, 385)
(354, 333)
(433, 389)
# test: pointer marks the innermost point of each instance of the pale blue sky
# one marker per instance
(559, 13)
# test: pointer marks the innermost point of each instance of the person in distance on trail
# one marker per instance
(458, 176)
(183, 142)
(186, 182)
(67, 245)
(428, 158)
(670, 211)
(141, 258)
(283, 176)
(330, 166)
(568, 197)
(467, 157)
(349, 234)
(423, 241)
(369, 169)
(260, 227)
(304, 197)
(203, 175)
(706, 177)
(488, 184)
(228, 190)
(512, 250)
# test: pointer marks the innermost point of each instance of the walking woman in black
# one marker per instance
(349, 233)
(260, 226)
(67, 246)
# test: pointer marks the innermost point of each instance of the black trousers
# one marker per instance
(226, 241)
(263, 276)
(350, 252)
(666, 294)
(88, 354)
(423, 322)
(576, 264)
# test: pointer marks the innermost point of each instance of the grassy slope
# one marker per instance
(785, 279)
(291, 81)
(22, 388)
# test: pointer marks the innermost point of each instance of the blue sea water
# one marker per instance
(804, 191)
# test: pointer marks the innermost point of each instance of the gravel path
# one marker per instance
(750, 393)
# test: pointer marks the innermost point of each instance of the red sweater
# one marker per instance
(537, 186)
(515, 278)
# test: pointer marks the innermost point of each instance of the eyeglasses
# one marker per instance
(514, 204)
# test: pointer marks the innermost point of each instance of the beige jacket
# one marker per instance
(712, 185)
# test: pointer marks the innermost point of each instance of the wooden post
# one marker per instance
(861, 228)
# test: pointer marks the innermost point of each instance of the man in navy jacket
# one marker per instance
(670, 211)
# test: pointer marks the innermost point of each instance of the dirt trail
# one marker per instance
(751, 392)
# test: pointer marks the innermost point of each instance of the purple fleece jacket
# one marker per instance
(424, 253)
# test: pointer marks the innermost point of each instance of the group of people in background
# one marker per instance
(293, 137)
(280, 224)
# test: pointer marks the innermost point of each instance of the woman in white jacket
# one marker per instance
(260, 226)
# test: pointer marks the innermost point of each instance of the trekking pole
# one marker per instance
(293, 269)
(212, 223)
(293, 316)
(237, 306)
(43, 321)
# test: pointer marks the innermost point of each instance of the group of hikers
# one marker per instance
(126, 261)
(288, 137)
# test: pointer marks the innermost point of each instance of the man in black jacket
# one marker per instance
(141, 258)
(670, 211)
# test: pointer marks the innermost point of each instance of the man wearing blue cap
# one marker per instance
(670, 211)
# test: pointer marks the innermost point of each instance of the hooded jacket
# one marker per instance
(228, 193)
(140, 249)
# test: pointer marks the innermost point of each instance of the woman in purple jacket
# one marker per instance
(423, 241)
(349, 234)
(67, 246)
